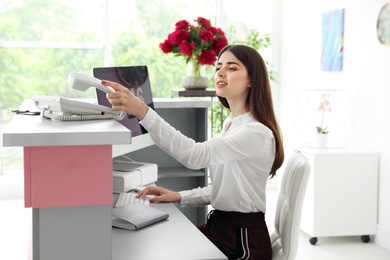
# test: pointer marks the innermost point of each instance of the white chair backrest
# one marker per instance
(285, 237)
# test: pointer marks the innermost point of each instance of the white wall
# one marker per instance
(366, 70)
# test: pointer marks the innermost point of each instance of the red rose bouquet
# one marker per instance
(199, 44)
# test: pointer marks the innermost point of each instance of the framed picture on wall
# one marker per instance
(332, 40)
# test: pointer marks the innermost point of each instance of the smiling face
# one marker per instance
(231, 79)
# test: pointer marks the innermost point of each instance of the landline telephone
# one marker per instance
(65, 109)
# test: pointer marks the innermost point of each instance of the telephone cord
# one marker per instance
(50, 115)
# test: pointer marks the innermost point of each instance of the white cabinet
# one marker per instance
(342, 194)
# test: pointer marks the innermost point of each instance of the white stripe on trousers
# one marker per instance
(245, 244)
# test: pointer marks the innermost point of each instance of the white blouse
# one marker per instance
(239, 161)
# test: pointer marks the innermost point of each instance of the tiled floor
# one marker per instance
(15, 231)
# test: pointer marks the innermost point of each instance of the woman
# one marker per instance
(240, 161)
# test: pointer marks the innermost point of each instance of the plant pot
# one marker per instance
(321, 140)
(195, 82)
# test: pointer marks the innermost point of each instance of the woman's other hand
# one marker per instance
(161, 194)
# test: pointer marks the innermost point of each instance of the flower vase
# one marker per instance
(321, 140)
(194, 78)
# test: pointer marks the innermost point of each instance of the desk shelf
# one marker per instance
(209, 92)
(179, 172)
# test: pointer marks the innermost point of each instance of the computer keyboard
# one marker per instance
(130, 197)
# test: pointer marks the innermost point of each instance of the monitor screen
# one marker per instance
(136, 79)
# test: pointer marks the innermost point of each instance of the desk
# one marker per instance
(175, 238)
(72, 214)
(67, 183)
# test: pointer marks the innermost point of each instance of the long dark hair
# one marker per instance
(259, 99)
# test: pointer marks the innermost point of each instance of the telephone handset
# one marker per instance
(83, 82)
(65, 109)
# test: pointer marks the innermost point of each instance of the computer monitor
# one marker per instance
(136, 79)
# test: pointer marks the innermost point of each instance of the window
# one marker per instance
(41, 41)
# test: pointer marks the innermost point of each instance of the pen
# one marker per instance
(24, 112)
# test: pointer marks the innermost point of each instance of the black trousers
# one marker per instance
(239, 235)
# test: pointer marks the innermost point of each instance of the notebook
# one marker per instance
(135, 216)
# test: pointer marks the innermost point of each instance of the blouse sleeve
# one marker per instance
(196, 197)
(193, 155)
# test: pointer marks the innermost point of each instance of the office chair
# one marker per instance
(285, 237)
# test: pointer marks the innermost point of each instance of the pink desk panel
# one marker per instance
(61, 176)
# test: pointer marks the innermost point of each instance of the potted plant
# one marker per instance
(322, 130)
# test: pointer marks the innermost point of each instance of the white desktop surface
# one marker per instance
(30, 131)
(175, 238)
